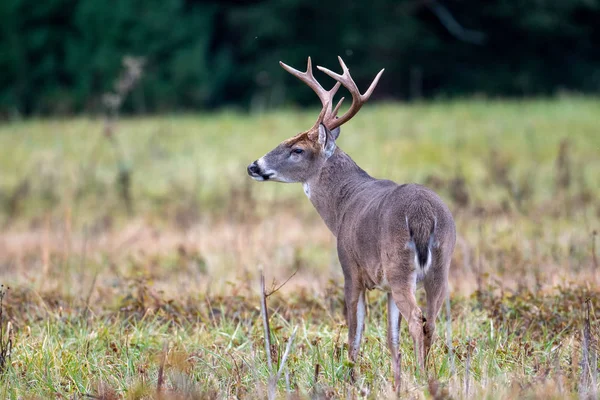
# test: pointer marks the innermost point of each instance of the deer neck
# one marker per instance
(332, 190)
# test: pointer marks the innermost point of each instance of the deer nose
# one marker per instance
(253, 169)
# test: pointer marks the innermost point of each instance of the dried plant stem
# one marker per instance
(5, 337)
(594, 256)
(89, 296)
(264, 312)
(449, 336)
(479, 260)
(316, 374)
(275, 378)
(468, 369)
(588, 379)
(287, 352)
(161, 368)
(287, 382)
(113, 101)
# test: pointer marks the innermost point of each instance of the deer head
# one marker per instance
(302, 156)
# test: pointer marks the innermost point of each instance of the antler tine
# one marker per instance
(337, 107)
(357, 99)
(326, 96)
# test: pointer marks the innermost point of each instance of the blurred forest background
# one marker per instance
(131, 236)
(58, 57)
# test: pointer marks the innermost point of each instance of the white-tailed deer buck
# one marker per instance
(390, 237)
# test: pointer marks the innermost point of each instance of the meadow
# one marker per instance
(131, 256)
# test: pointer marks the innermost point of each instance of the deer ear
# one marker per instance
(335, 133)
(327, 140)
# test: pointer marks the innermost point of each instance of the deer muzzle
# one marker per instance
(257, 173)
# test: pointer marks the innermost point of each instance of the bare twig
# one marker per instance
(265, 317)
(81, 267)
(5, 336)
(275, 378)
(466, 252)
(587, 387)
(238, 383)
(479, 261)
(594, 377)
(287, 382)
(274, 290)
(89, 296)
(594, 257)
(449, 335)
(287, 352)
(450, 23)
(113, 101)
(468, 368)
(161, 368)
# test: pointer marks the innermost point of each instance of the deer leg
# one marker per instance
(405, 300)
(393, 337)
(354, 300)
(355, 318)
(436, 287)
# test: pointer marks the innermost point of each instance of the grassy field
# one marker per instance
(130, 258)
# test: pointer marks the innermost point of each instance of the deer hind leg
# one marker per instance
(393, 337)
(436, 288)
(403, 293)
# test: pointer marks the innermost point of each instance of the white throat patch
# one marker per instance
(306, 188)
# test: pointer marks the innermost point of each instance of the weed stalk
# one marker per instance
(468, 368)
(113, 102)
(5, 336)
(594, 256)
(264, 312)
(449, 336)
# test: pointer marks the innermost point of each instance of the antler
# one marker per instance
(357, 99)
(327, 115)
(326, 96)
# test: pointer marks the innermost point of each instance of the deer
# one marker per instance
(389, 237)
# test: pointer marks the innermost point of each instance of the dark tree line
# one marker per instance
(60, 56)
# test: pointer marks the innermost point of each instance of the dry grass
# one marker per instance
(108, 304)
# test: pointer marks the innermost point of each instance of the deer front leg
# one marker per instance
(393, 337)
(354, 299)
(355, 316)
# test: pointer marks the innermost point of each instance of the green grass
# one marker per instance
(207, 154)
(99, 292)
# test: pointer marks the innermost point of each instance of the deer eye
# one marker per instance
(297, 151)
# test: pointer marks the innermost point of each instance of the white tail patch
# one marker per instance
(422, 271)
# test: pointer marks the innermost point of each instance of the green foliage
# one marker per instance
(59, 56)
(63, 55)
